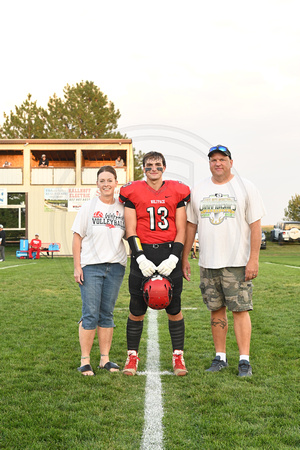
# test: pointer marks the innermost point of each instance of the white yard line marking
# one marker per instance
(153, 414)
(284, 265)
(165, 372)
(17, 265)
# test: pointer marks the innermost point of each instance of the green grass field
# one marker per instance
(46, 403)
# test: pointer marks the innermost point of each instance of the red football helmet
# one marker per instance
(157, 292)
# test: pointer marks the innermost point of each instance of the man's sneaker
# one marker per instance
(178, 363)
(245, 370)
(217, 364)
(131, 364)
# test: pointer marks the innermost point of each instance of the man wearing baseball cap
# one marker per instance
(227, 211)
(2, 244)
(35, 246)
(44, 162)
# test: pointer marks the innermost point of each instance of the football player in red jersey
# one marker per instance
(155, 221)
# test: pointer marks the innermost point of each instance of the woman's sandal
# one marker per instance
(86, 368)
(110, 365)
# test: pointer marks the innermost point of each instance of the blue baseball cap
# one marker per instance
(221, 149)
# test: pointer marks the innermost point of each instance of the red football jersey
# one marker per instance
(155, 210)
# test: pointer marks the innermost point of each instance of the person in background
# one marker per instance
(35, 246)
(100, 259)
(228, 212)
(2, 243)
(194, 249)
(155, 220)
(43, 161)
(119, 162)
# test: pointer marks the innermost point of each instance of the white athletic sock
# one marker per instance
(244, 357)
(222, 356)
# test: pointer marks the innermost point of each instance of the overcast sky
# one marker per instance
(184, 75)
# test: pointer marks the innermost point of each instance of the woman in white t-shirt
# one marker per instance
(99, 265)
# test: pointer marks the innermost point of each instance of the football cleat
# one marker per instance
(131, 364)
(178, 363)
(157, 292)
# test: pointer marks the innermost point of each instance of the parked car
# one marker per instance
(263, 244)
(287, 231)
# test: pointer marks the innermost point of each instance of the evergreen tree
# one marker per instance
(84, 112)
(27, 122)
(138, 165)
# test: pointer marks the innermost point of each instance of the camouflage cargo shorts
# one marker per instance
(226, 287)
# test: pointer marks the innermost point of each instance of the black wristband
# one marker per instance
(177, 249)
(135, 246)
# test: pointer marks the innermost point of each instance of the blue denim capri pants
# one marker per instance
(99, 293)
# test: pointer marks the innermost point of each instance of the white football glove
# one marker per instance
(168, 265)
(146, 267)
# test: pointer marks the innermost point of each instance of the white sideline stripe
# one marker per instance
(165, 372)
(17, 265)
(284, 265)
(153, 413)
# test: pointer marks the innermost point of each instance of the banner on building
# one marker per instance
(55, 199)
(69, 199)
(78, 196)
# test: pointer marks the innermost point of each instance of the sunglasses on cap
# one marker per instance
(220, 148)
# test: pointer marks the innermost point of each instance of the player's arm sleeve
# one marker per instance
(127, 195)
(180, 204)
(187, 198)
(184, 195)
(129, 204)
(123, 198)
